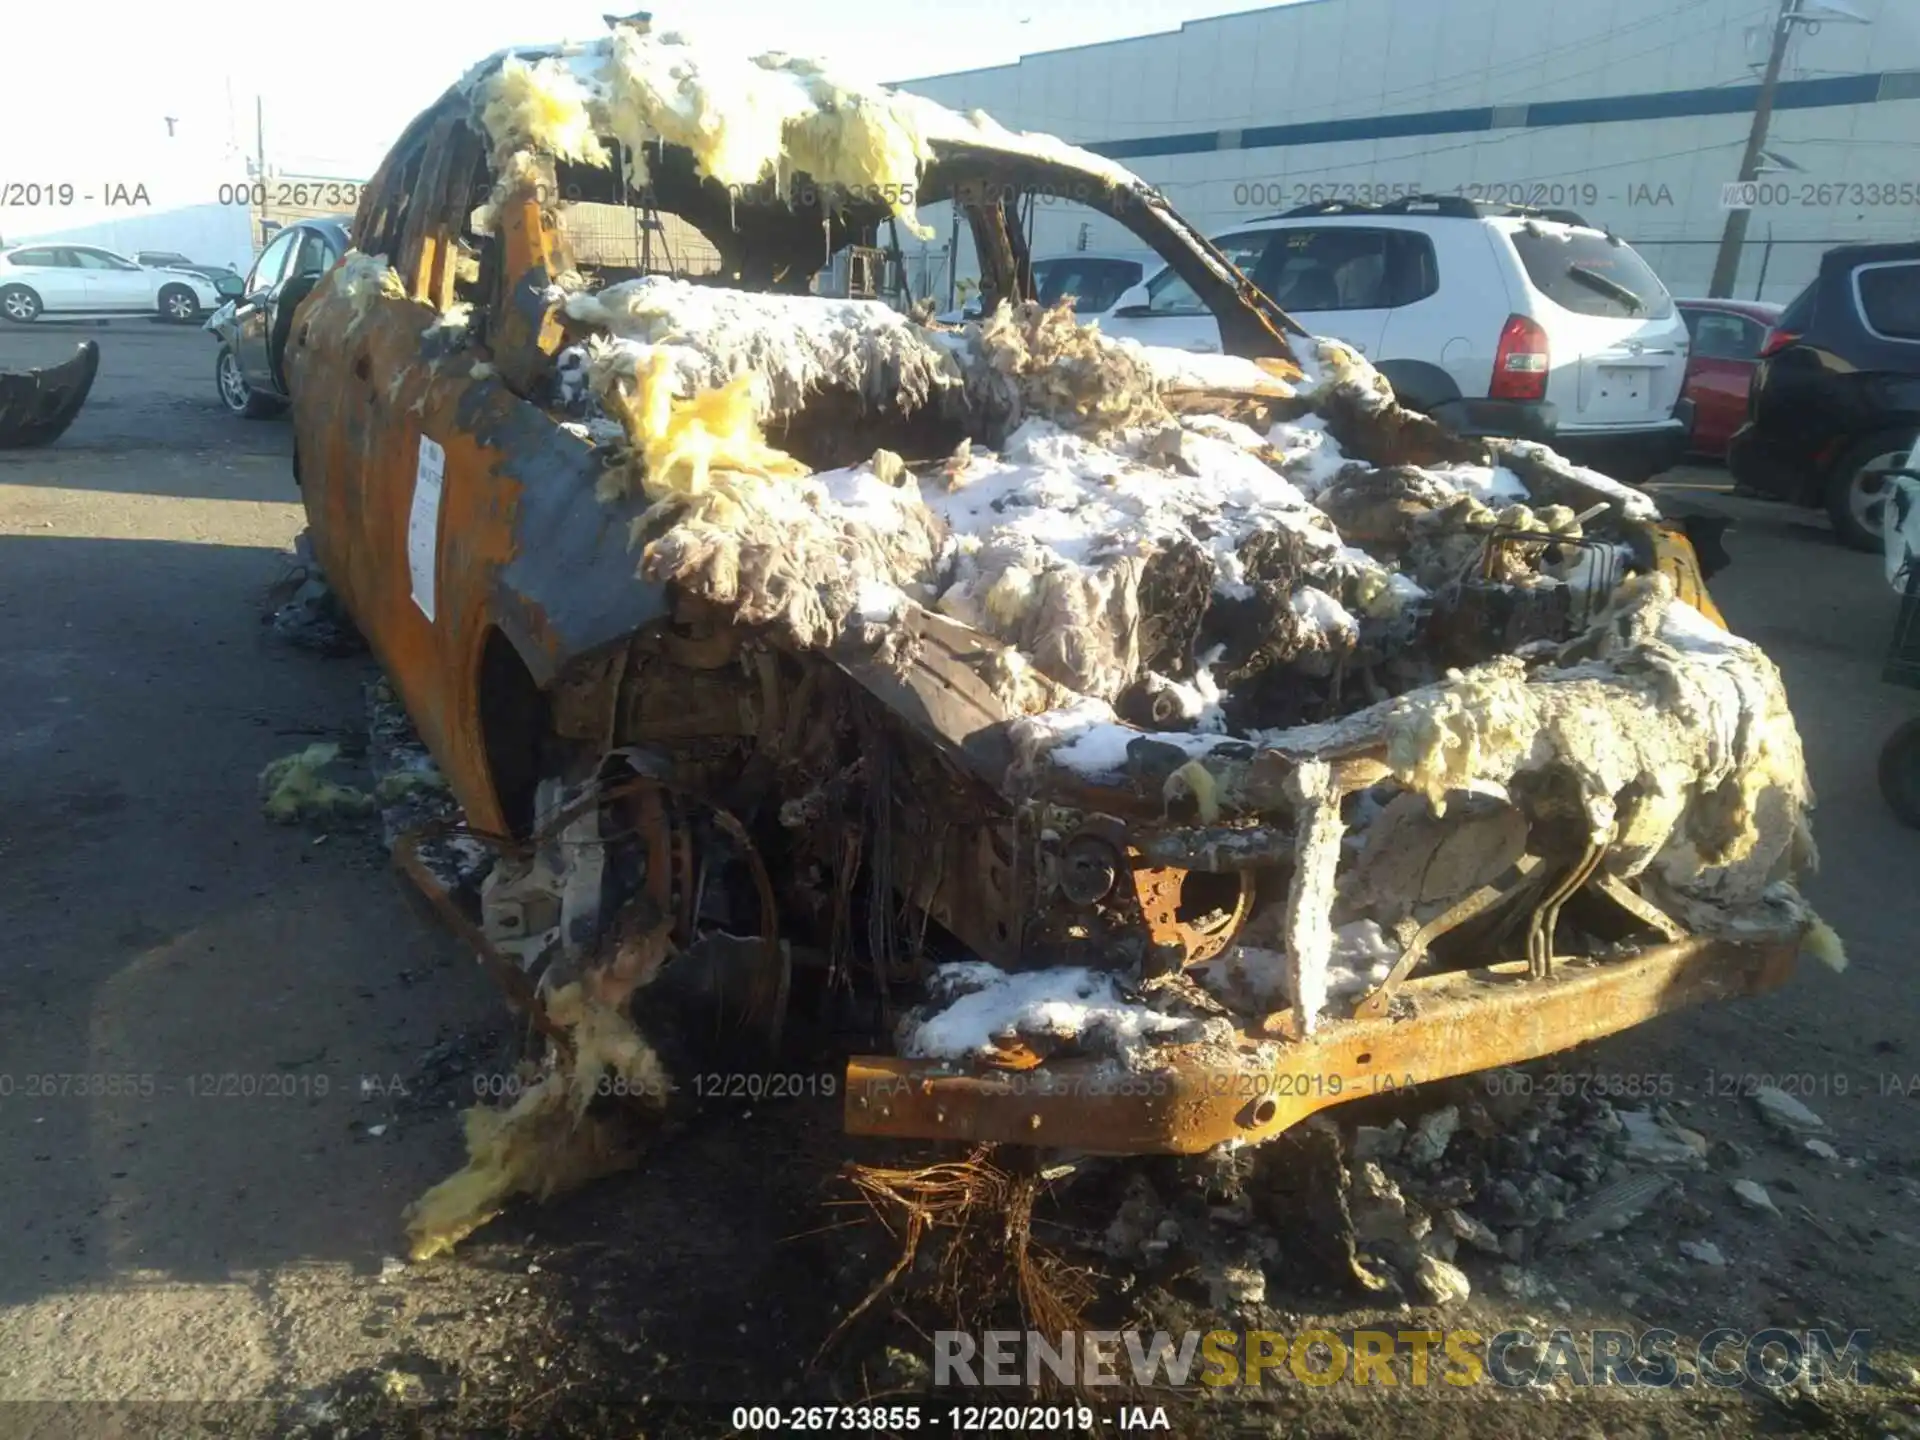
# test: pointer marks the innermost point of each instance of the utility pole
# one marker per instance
(1726, 265)
(260, 161)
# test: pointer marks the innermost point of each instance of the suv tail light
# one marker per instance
(1520, 362)
(1776, 341)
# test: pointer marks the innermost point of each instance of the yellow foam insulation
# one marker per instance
(292, 789)
(542, 106)
(862, 142)
(681, 444)
(1824, 944)
(662, 91)
(1196, 780)
(684, 441)
(1703, 743)
(746, 122)
(546, 1142)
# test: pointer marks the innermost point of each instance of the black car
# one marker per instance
(1835, 402)
(253, 326)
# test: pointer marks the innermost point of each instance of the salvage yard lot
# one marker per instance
(204, 1200)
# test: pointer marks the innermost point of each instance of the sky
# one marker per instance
(338, 84)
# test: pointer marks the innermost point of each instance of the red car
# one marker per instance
(1727, 336)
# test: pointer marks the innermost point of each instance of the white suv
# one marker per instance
(1494, 319)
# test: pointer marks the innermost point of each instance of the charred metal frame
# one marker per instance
(1189, 1099)
(533, 565)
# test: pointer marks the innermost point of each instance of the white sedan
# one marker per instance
(77, 280)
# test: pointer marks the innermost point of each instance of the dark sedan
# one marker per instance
(1835, 402)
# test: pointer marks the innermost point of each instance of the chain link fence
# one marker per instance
(643, 240)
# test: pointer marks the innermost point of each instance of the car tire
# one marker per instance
(179, 304)
(239, 397)
(1900, 774)
(20, 305)
(1855, 495)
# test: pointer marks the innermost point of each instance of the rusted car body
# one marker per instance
(526, 647)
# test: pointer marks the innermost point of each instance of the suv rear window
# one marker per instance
(1890, 298)
(1590, 274)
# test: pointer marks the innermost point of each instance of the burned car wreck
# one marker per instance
(1112, 714)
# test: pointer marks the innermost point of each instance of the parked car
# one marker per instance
(85, 280)
(1727, 336)
(1095, 279)
(1836, 398)
(1494, 319)
(225, 278)
(252, 327)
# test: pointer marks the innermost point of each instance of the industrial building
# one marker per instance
(1633, 112)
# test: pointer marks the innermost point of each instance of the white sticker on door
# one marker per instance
(423, 525)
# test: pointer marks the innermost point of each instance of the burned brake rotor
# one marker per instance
(1161, 890)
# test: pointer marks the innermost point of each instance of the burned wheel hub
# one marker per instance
(1182, 911)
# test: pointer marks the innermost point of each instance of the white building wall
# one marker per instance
(1655, 181)
(138, 185)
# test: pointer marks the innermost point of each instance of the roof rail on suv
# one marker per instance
(1455, 206)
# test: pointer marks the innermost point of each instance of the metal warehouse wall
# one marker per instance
(1632, 111)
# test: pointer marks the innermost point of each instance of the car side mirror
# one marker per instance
(1134, 303)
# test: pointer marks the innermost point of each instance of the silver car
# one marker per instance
(252, 326)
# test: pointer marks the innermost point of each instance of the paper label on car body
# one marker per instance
(423, 523)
